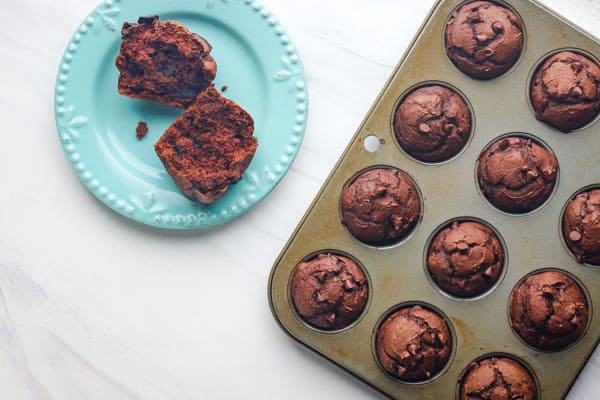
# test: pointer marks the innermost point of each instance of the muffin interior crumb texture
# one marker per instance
(433, 123)
(484, 39)
(413, 344)
(516, 174)
(581, 227)
(207, 149)
(163, 62)
(498, 378)
(381, 206)
(549, 310)
(465, 259)
(565, 91)
(329, 291)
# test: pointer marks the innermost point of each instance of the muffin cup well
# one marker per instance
(386, 244)
(408, 92)
(561, 232)
(515, 64)
(306, 323)
(536, 140)
(445, 225)
(533, 72)
(587, 300)
(525, 365)
(410, 304)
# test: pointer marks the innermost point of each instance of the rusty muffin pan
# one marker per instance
(396, 274)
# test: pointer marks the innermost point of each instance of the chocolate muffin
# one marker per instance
(565, 91)
(413, 344)
(329, 291)
(433, 123)
(381, 206)
(498, 378)
(208, 148)
(163, 62)
(516, 174)
(548, 310)
(581, 226)
(465, 259)
(484, 39)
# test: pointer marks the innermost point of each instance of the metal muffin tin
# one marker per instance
(449, 190)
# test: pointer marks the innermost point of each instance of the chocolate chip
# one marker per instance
(481, 37)
(149, 19)
(424, 128)
(483, 54)
(498, 27)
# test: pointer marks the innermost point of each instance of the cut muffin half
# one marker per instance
(208, 148)
(163, 62)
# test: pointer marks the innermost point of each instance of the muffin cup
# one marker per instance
(562, 216)
(538, 141)
(587, 299)
(499, 355)
(429, 307)
(446, 224)
(300, 318)
(533, 72)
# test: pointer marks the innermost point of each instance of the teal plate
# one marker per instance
(257, 62)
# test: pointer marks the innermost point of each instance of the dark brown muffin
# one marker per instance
(465, 259)
(413, 344)
(381, 206)
(565, 91)
(516, 174)
(497, 378)
(433, 123)
(581, 226)
(163, 62)
(548, 310)
(208, 147)
(484, 39)
(329, 291)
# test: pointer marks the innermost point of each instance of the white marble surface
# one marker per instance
(95, 307)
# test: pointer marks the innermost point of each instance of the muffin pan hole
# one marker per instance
(420, 358)
(477, 378)
(579, 229)
(433, 137)
(381, 206)
(329, 291)
(549, 310)
(465, 258)
(372, 143)
(555, 106)
(517, 174)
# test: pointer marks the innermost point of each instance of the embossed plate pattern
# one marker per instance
(256, 61)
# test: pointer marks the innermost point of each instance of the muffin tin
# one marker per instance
(396, 274)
